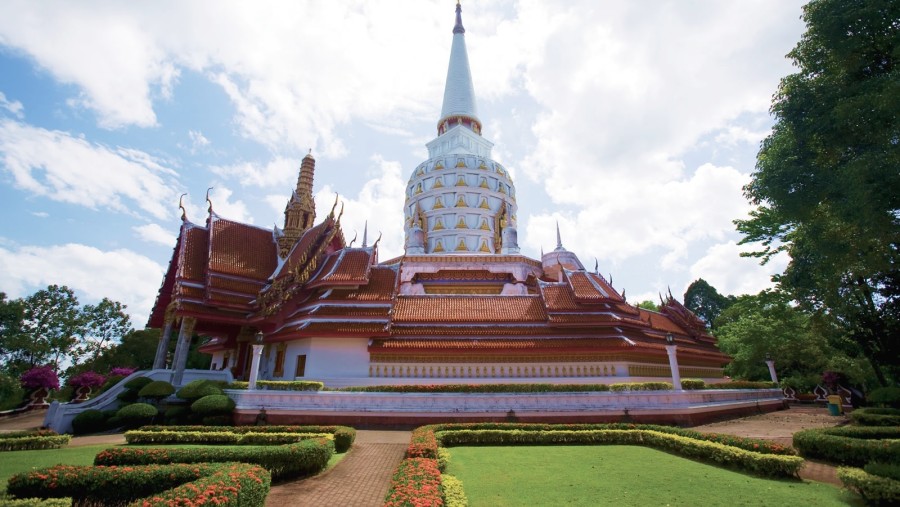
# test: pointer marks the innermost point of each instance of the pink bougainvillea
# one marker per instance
(40, 377)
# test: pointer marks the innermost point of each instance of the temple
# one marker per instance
(461, 305)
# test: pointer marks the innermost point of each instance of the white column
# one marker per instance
(181, 349)
(673, 365)
(159, 361)
(254, 365)
(771, 365)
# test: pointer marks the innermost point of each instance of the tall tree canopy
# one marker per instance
(705, 301)
(827, 179)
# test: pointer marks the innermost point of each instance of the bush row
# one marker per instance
(875, 489)
(424, 443)
(416, 482)
(850, 445)
(689, 384)
(229, 484)
(454, 494)
(36, 502)
(139, 437)
(283, 462)
(27, 433)
(343, 435)
(280, 385)
(876, 416)
(34, 442)
(760, 464)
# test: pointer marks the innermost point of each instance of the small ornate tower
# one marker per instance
(300, 212)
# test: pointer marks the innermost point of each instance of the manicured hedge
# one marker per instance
(875, 489)
(760, 464)
(343, 435)
(416, 482)
(280, 385)
(231, 484)
(425, 444)
(454, 494)
(282, 461)
(32, 440)
(137, 414)
(197, 389)
(876, 416)
(35, 502)
(138, 437)
(850, 445)
(157, 389)
(89, 421)
(689, 384)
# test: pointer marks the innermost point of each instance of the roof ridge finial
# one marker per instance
(458, 27)
(210, 209)
(558, 238)
(181, 207)
(365, 234)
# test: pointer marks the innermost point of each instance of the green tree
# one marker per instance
(827, 183)
(104, 324)
(705, 301)
(136, 349)
(50, 326)
(648, 305)
(12, 315)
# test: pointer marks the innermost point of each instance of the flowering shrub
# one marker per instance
(416, 483)
(121, 371)
(282, 462)
(138, 437)
(198, 484)
(40, 377)
(87, 379)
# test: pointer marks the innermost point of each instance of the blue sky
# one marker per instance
(632, 124)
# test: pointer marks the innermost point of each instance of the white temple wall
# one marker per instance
(328, 358)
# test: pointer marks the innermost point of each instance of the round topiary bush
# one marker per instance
(197, 389)
(137, 383)
(176, 414)
(127, 396)
(158, 389)
(137, 414)
(885, 396)
(214, 404)
(89, 421)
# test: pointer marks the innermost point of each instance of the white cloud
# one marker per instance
(64, 168)
(121, 275)
(380, 201)
(224, 207)
(279, 172)
(154, 233)
(198, 140)
(15, 107)
(40, 214)
(729, 273)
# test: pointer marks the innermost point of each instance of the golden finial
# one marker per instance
(181, 207)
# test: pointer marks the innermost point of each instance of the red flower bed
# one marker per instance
(416, 483)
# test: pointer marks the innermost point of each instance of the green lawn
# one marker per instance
(621, 476)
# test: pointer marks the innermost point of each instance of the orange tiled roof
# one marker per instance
(583, 288)
(382, 282)
(302, 249)
(559, 297)
(659, 322)
(454, 308)
(194, 254)
(242, 250)
(497, 344)
(345, 267)
(352, 311)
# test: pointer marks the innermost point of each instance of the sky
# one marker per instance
(631, 124)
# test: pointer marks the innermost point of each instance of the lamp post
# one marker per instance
(771, 364)
(254, 366)
(673, 361)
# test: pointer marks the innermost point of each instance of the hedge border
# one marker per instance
(344, 436)
(689, 384)
(280, 385)
(138, 437)
(299, 459)
(230, 484)
(875, 489)
(34, 440)
(850, 445)
(415, 482)
(876, 416)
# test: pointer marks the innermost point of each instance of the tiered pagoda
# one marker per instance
(461, 305)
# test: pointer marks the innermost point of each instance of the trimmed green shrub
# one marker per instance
(127, 396)
(280, 385)
(282, 461)
(692, 384)
(876, 490)
(114, 422)
(641, 386)
(137, 383)
(876, 416)
(176, 414)
(850, 445)
(141, 437)
(32, 440)
(137, 414)
(197, 389)
(182, 484)
(89, 421)
(158, 389)
(416, 481)
(443, 457)
(35, 502)
(454, 495)
(885, 396)
(213, 404)
(891, 471)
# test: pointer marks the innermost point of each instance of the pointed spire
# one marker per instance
(208, 201)
(181, 207)
(559, 246)
(365, 233)
(459, 94)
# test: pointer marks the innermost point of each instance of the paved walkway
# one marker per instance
(362, 478)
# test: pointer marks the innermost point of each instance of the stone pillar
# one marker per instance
(181, 349)
(254, 365)
(159, 362)
(771, 364)
(673, 365)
